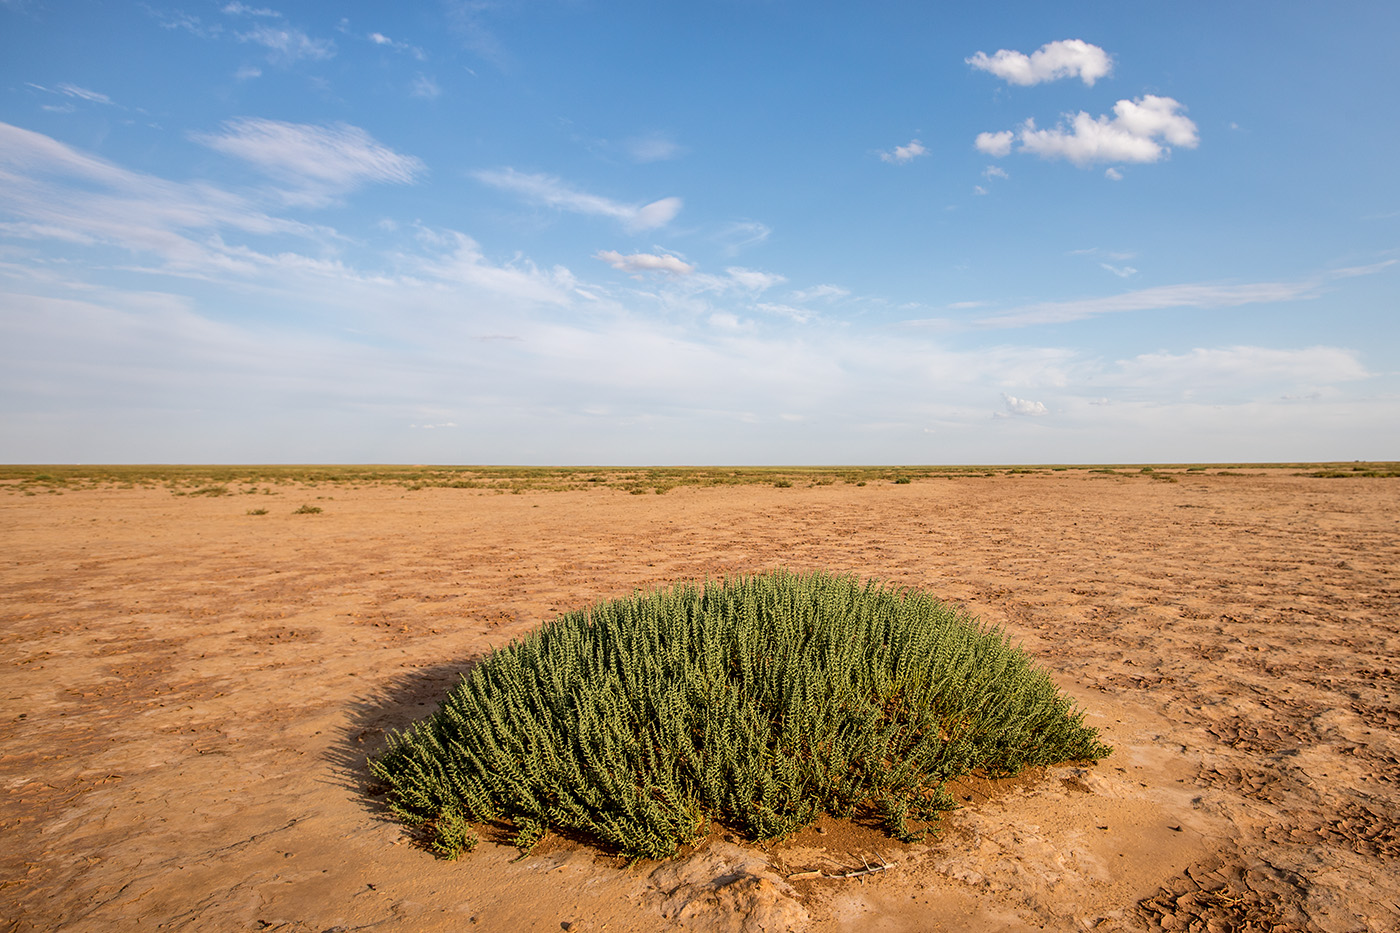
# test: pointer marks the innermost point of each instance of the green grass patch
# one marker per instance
(757, 702)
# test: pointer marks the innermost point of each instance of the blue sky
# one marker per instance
(704, 233)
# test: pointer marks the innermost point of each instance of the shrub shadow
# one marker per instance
(391, 706)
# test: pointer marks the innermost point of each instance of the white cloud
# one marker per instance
(72, 90)
(906, 153)
(725, 320)
(995, 145)
(181, 20)
(1152, 299)
(995, 171)
(321, 160)
(799, 315)
(1067, 58)
(739, 235)
(824, 292)
(652, 148)
(1141, 130)
(287, 44)
(753, 280)
(978, 189)
(247, 72)
(55, 188)
(458, 260)
(378, 38)
(644, 262)
(1112, 174)
(552, 192)
(656, 214)
(1123, 272)
(1023, 406)
(425, 87)
(239, 9)
(1243, 365)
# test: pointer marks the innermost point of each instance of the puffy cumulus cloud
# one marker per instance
(1023, 406)
(322, 160)
(644, 262)
(1067, 58)
(1112, 174)
(995, 144)
(754, 280)
(906, 153)
(553, 192)
(1141, 130)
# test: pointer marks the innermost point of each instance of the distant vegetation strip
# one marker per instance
(218, 480)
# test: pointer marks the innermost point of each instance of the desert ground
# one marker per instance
(191, 690)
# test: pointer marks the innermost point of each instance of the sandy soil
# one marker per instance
(190, 693)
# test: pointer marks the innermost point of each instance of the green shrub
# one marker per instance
(902, 480)
(759, 702)
(308, 510)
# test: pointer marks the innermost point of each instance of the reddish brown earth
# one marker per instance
(190, 693)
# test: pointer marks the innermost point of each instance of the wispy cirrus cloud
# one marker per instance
(824, 292)
(653, 147)
(1067, 58)
(1240, 365)
(425, 88)
(1141, 130)
(553, 192)
(287, 44)
(383, 41)
(242, 9)
(57, 192)
(73, 92)
(321, 162)
(754, 280)
(739, 235)
(1154, 299)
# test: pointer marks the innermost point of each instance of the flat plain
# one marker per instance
(195, 664)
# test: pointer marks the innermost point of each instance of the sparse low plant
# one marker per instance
(902, 480)
(757, 702)
(209, 491)
(308, 510)
(257, 511)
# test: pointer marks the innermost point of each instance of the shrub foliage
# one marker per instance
(759, 702)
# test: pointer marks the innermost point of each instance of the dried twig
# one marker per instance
(869, 869)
